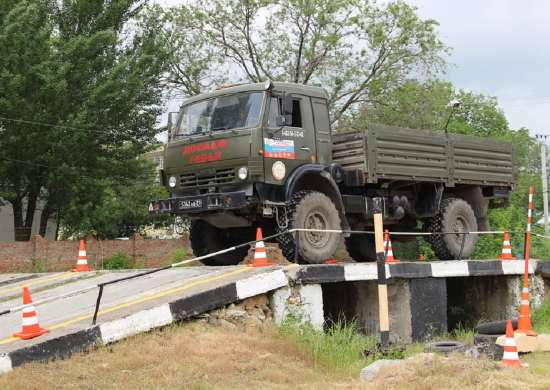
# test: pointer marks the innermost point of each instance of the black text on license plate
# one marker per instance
(187, 204)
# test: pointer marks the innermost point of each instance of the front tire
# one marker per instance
(311, 210)
(455, 215)
(206, 239)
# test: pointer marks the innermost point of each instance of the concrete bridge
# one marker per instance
(423, 299)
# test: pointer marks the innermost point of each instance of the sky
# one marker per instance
(502, 49)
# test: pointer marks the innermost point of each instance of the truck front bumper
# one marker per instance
(198, 203)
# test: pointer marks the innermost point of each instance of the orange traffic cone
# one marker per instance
(524, 318)
(30, 321)
(331, 261)
(421, 256)
(82, 264)
(260, 256)
(510, 356)
(506, 249)
(387, 245)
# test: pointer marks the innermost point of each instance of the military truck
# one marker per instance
(264, 155)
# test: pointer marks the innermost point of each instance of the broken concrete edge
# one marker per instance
(370, 373)
(143, 321)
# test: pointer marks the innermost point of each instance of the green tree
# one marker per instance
(78, 81)
(115, 208)
(355, 49)
(413, 104)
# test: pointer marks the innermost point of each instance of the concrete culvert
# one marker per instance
(445, 347)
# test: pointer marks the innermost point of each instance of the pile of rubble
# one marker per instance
(252, 311)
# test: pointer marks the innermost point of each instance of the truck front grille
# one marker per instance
(212, 177)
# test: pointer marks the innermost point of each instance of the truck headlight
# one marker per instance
(243, 173)
(172, 181)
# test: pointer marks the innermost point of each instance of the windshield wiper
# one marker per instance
(224, 128)
(182, 135)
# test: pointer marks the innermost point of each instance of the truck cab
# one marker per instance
(236, 157)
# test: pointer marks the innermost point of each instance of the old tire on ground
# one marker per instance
(485, 338)
(497, 327)
(206, 239)
(445, 347)
(311, 210)
(361, 247)
(455, 215)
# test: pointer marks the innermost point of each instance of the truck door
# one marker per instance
(322, 131)
(292, 146)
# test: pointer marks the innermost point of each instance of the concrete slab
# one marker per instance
(126, 308)
(370, 373)
(526, 343)
(12, 278)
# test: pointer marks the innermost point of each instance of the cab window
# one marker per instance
(275, 109)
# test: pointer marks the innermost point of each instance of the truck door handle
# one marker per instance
(305, 148)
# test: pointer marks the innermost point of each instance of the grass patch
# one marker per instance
(340, 347)
(540, 317)
(179, 255)
(119, 260)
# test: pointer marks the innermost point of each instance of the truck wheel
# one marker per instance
(455, 215)
(206, 239)
(361, 247)
(311, 210)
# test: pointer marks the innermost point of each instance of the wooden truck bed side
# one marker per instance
(392, 153)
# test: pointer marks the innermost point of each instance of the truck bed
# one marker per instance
(386, 153)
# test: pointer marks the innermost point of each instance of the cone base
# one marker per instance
(82, 270)
(26, 336)
(527, 332)
(331, 261)
(260, 264)
(514, 364)
(507, 258)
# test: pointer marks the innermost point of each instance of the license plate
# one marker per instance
(187, 204)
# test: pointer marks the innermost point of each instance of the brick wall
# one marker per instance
(39, 255)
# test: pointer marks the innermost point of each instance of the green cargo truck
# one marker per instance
(263, 155)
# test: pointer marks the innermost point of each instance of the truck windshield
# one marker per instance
(221, 113)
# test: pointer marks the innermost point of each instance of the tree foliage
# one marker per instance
(78, 81)
(355, 49)
(116, 207)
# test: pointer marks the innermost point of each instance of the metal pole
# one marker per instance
(97, 303)
(381, 268)
(544, 184)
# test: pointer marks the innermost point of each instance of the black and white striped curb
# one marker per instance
(145, 320)
(342, 272)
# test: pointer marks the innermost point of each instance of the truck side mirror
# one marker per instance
(287, 103)
(171, 124)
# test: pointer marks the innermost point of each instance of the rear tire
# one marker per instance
(361, 247)
(455, 215)
(206, 239)
(311, 210)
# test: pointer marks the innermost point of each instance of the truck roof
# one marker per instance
(278, 86)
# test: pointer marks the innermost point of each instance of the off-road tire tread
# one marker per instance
(200, 245)
(287, 241)
(354, 244)
(435, 225)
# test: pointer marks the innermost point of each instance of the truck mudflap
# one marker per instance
(198, 203)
